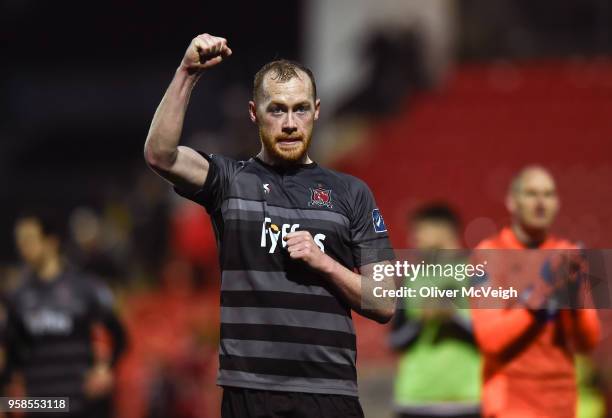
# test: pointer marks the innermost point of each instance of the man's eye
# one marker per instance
(276, 110)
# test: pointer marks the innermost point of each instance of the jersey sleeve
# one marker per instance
(220, 173)
(104, 300)
(368, 232)
(104, 313)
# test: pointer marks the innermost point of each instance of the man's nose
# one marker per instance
(289, 125)
(540, 205)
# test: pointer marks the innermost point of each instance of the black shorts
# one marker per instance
(252, 403)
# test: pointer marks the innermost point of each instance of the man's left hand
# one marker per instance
(99, 381)
(301, 246)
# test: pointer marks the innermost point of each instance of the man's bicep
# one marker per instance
(214, 184)
(189, 170)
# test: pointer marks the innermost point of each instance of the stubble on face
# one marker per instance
(286, 115)
(536, 199)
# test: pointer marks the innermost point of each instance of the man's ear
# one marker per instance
(510, 203)
(317, 108)
(253, 111)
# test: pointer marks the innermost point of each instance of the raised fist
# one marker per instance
(205, 51)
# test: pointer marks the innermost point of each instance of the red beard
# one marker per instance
(282, 151)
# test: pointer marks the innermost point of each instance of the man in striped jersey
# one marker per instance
(50, 319)
(291, 235)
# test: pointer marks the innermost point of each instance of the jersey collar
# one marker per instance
(288, 169)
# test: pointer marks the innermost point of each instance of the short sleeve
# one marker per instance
(369, 238)
(220, 173)
(103, 298)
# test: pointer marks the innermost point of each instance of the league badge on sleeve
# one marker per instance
(379, 223)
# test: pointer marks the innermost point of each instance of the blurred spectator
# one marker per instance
(590, 399)
(439, 369)
(93, 244)
(51, 317)
(529, 349)
(398, 71)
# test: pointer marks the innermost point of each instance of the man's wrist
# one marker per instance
(328, 266)
(189, 74)
(102, 366)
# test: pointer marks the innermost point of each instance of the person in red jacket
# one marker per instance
(528, 350)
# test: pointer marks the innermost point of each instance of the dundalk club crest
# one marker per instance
(320, 197)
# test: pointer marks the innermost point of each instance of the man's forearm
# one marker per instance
(360, 298)
(301, 246)
(115, 328)
(165, 131)
(182, 166)
(584, 326)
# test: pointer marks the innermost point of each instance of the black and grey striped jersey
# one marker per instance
(283, 327)
(49, 331)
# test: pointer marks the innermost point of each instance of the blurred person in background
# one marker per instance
(50, 319)
(529, 347)
(290, 234)
(438, 373)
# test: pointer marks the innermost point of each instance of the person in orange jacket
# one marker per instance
(529, 347)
